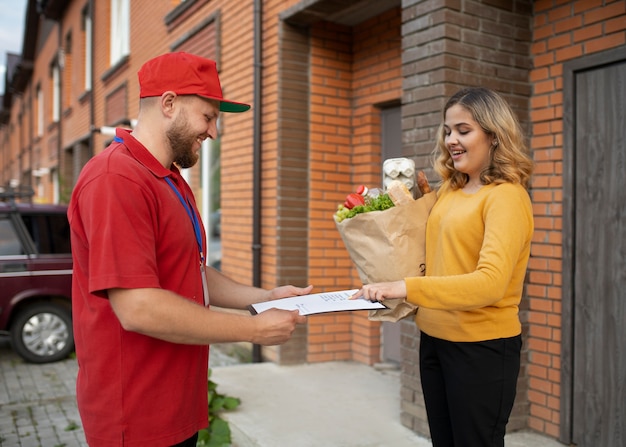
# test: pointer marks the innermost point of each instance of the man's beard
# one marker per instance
(181, 142)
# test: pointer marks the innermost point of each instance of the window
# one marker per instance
(120, 30)
(9, 241)
(50, 232)
(68, 71)
(87, 41)
(39, 187)
(211, 185)
(56, 187)
(56, 92)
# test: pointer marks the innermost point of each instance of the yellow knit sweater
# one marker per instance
(477, 249)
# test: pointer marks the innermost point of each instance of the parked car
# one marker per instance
(36, 280)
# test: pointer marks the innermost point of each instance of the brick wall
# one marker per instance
(76, 106)
(286, 158)
(376, 83)
(236, 72)
(13, 137)
(561, 31)
(330, 171)
(354, 72)
(317, 152)
(46, 146)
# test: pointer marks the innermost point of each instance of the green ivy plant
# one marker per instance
(218, 433)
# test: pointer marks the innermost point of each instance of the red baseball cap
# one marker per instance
(184, 74)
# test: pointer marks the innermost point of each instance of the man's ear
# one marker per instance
(168, 102)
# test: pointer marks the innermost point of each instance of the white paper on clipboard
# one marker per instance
(317, 303)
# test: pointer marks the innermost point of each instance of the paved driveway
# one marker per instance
(38, 403)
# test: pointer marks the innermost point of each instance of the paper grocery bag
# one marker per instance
(389, 246)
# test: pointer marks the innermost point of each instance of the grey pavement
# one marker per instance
(336, 404)
(37, 403)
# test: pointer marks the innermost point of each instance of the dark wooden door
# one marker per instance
(391, 147)
(598, 254)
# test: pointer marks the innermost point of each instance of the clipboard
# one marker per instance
(318, 303)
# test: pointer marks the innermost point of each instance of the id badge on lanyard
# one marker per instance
(205, 287)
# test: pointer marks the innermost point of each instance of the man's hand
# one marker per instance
(287, 291)
(274, 326)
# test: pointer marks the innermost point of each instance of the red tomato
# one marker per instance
(353, 199)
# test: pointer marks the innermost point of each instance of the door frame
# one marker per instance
(570, 69)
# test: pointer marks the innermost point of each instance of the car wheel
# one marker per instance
(43, 333)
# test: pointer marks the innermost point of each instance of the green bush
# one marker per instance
(218, 432)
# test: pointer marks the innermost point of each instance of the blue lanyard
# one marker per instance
(190, 211)
(192, 216)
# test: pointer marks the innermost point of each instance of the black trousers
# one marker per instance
(191, 442)
(469, 389)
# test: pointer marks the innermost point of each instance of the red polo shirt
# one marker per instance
(130, 230)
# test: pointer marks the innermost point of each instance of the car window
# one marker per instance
(9, 241)
(50, 232)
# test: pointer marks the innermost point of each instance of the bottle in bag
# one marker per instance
(368, 193)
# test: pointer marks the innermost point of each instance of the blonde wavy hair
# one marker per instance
(510, 159)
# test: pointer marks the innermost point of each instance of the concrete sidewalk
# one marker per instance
(336, 404)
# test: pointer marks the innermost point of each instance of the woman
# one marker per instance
(477, 248)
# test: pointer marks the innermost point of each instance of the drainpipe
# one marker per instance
(92, 106)
(61, 70)
(256, 137)
(31, 157)
(30, 135)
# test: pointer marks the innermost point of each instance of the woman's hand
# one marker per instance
(381, 291)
